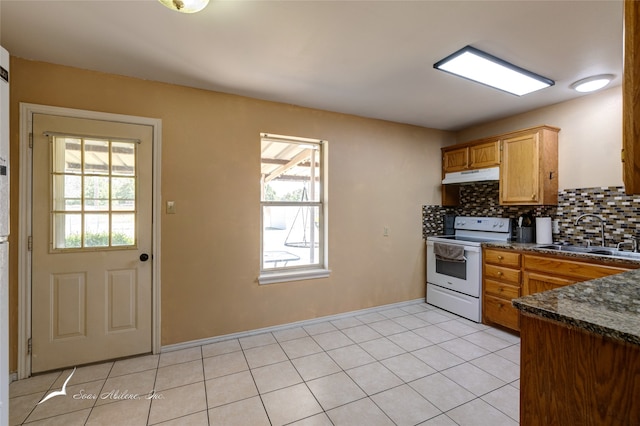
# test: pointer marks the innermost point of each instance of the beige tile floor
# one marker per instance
(415, 365)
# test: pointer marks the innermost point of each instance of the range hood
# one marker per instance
(469, 176)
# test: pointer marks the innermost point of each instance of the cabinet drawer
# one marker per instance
(500, 257)
(502, 273)
(501, 289)
(500, 311)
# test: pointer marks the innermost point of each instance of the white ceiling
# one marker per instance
(369, 58)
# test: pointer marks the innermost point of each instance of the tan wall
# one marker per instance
(380, 174)
(589, 142)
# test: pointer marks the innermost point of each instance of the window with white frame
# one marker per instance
(292, 204)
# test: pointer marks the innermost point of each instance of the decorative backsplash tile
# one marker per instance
(477, 199)
(620, 212)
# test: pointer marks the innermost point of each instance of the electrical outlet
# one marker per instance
(555, 226)
(385, 231)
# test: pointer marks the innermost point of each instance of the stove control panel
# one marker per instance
(490, 224)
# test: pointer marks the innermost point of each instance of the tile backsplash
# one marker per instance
(621, 212)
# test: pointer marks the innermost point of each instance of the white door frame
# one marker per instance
(24, 216)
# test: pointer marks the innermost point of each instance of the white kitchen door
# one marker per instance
(91, 252)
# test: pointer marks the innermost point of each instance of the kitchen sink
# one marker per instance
(596, 251)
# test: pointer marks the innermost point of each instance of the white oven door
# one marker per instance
(463, 277)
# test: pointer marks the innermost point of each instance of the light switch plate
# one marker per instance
(171, 207)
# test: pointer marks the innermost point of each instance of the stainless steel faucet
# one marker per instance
(602, 223)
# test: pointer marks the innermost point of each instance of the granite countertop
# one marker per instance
(608, 306)
(536, 248)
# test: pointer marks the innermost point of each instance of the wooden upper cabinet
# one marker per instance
(529, 167)
(473, 155)
(520, 171)
(485, 154)
(631, 98)
(455, 160)
(528, 161)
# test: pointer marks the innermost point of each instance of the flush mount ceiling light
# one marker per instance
(185, 6)
(591, 84)
(481, 67)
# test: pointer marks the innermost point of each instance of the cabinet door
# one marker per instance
(455, 160)
(631, 98)
(535, 282)
(484, 155)
(519, 172)
(581, 271)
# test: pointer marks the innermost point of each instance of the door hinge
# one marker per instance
(29, 243)
(29, 346)
(30, 140)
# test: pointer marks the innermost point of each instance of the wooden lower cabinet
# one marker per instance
(498, 310)
(535, 282)
(501, 283)
(573, 377)
(508, 274)
(542, 273)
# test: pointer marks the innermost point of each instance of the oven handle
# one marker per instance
(466, 248)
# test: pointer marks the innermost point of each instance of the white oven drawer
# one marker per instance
(459, 304)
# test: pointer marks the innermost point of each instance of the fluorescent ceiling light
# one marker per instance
(476, 65)
(185, 6)
(591, 84)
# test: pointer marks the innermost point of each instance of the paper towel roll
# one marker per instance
(543, 230)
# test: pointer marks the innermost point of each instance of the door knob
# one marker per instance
(144, 257)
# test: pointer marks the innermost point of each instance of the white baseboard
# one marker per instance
(209, 340)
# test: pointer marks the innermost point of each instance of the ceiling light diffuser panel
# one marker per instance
(481, 67)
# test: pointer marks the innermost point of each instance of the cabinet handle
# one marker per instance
(500, 305)
(533, 196)
(501, 289)
(500, 257)
(499, 273)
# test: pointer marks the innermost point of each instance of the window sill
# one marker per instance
(281, 277)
